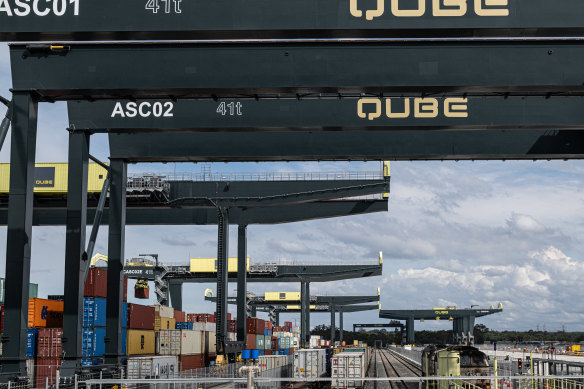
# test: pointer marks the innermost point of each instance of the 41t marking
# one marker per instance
(231, 109)
(166, 5)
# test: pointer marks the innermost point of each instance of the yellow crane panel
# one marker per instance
(52, 178)
(209, 265)
(282, 296)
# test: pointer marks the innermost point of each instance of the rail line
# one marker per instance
(398, 367)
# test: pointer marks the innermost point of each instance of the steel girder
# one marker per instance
(88, 71)
(177, 19)
(314, 300)
(208, 216)
(349, 145)
(435, 314)
(366, 113)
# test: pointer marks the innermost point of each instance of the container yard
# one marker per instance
(333, 83)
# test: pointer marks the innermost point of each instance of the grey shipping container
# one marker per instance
(348, 369)
(309, 363)
(153, 367)
(33, 290)
(168, 342)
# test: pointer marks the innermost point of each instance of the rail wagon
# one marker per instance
(209, 265)
(52, 178)
(466, 361)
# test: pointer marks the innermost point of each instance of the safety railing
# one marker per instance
(522, 382)
(147, 180)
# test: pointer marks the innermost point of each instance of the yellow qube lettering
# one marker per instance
(411, 13)
(372, 115)
(425, 108)
(487, 11)
(397, 115)
(459, 11)
(456, 108)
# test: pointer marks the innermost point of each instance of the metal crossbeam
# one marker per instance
(177, 19)
(435, 314)
(208, 216)
(349, 145)
(367, 113)
(87, 71)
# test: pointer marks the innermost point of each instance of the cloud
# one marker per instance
(177, 241)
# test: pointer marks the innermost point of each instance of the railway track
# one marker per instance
(396, 366)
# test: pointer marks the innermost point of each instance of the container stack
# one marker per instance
(44, 347)
(269, 340)
(140, 333)
(94, 317)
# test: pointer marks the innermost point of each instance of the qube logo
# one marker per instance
(44, 312)
(439, 8)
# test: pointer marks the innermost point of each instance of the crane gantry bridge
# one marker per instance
(421, 98)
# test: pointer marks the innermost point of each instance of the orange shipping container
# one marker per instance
(45, 313)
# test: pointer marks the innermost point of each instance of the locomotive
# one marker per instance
(462, 361)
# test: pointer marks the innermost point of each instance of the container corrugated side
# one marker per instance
(49, 343)
(140, 317)
(140, 342)
(94, 312)
(168, 342)
(96, 283)
(309, 363)
(191, 342)
(163, 311)
(45, 313)
(164, 323)
(152, 367)
(348, 369)
(93, 342)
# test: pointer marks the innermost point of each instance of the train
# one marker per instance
(465, 361)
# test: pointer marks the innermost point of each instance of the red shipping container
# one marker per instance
(274, 345)
(255, 326)
(288, 323)
(179, 316)
(191, 362)
(232, 326)
(46, 368)
(191, 317)
(250, 341)
(267, 352)
(49, 342)
(268, 325)
(96, 282)
(215, 316)
(140, 317)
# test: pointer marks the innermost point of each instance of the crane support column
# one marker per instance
(333, 325)
(305, 313)
(277, 323)
(410, 330)
(19, 235)
(75, 255)
(116, 240)
(175, 291)
(341, 325)
(222, 277)
(5, 124)
(241, 281)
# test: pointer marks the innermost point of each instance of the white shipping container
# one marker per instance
(168, 342)
(270, 362)
(163, 311)
(212, 342)
(210, 327)
(153, 367)
(232, 336)
(309, 363)
(30, 369)
(199, 326)
(351, 366)
(191, 342)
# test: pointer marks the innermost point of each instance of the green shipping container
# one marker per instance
(33, 290)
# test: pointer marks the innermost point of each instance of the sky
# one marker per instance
(456, 234)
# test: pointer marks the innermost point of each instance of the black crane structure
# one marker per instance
(243, 99)
(463, 320)
(391, 324)
(332, 304)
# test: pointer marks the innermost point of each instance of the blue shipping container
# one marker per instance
(31, 342)
(184, 325)
(93, 342)
(92, 361)
(124, 315)
(94, 312)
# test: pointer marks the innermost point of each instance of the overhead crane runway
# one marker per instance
(389, 364)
